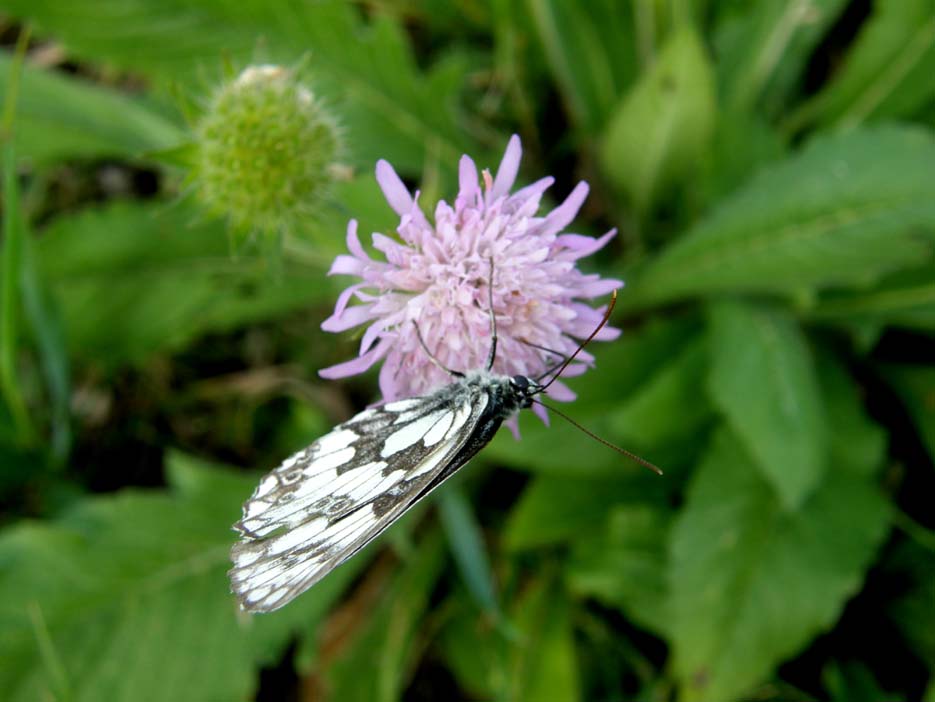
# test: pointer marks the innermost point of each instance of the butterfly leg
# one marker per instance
(493, 320)
(456, 374)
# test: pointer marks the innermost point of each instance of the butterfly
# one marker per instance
(325, 503)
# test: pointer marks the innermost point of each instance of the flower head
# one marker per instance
(437, 276)
(265, 150)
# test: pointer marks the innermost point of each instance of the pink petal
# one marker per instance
(598, 288)
(393, 188)
(562, 216)
(585, 357)
(349, 318)
(560, 392)
(581, 246)
(392, 249)
(389, 387)
(416, 213)
(355, 365)
(374, 330)
(346, 265)
(542, 413)
(533, 190)
(587, 319)
(509, 167)
(607, 334)
(344, 298)
(575, 369)
(353, 243)
(513, 423)
(467, 179)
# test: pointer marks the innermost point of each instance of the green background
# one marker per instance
(771, 168)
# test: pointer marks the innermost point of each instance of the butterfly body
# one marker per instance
(328, 501)
(505, 395)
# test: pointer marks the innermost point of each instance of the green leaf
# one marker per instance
(11, 264)
(590, 52)
(535, 660)
(854, 682)
(913, 608)
(671, 403)
(916, 387)
(543, 665)
(887, 72)
(752, 583)
(763, 380)
(169, 41)
(60, 117)
(742, 145)
(559, 449)
(127, 598)
(557, 508)
(624, 565)
(373, 71)
(845, 211)
(856, 442)
(46, 327)
(468, 548)
(660, 129)
(473, 651)
(12, 259)
(134, 279)
(364, 69)
(905, 298)
(763, 48)
(623, 367)
(376, 665)
(656, 367)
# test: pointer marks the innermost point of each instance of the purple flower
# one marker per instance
(437, 275)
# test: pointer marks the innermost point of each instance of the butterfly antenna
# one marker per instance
(551, 369)
(629, 454)
(607, 313)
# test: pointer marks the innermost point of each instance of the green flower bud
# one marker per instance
(266, 151)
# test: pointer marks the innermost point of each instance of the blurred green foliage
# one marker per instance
(771, 167)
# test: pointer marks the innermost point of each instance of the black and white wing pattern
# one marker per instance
(325, 503)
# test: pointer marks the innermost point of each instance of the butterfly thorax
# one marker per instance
(506, 394)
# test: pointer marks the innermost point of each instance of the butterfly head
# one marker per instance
(526, 389)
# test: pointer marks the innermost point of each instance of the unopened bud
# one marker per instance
(266, 151)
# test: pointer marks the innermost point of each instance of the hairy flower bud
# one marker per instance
(266, 148)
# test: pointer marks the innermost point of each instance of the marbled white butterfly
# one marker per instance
(328, 501)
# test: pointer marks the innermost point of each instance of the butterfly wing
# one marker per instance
(325, 503)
